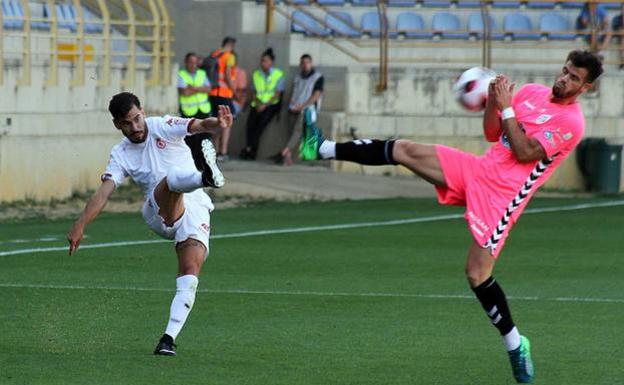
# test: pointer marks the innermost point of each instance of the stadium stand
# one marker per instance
(518, 26)
(341, 24)
(555, 26)
(447, 26)
(304, 23)
(412, 25)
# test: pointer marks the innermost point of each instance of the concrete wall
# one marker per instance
(55, 141)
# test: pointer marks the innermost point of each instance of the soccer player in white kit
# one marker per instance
(154, 154)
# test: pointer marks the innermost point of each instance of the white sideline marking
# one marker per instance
(305, 293)
(293, 230)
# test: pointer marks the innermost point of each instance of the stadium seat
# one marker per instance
(401, 3)
(37, 12)
(91, 27)
(475, 26)
(506, 4)
(62, 20)
(341, 24)
(365, 3)
(18, 12)
(518, 26)
(468, 4)
(541, 5)
(412, 26)
(304, 23)
(437, 3)
(369, 24)
(331, 2)
(447, 26)
(572, 5)
(10, 20)
(556, 27)
(298, 2)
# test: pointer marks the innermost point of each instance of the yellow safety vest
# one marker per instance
(197, 102)
(266, 87)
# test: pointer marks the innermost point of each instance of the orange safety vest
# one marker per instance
(222, 89)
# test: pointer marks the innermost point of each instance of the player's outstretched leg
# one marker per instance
(184, 181)
(493, 300)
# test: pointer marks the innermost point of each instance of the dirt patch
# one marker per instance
(127, 199)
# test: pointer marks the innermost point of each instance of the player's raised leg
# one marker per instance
(479, 267)
(422, 159)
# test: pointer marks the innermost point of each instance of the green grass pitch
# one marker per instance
(367, 305)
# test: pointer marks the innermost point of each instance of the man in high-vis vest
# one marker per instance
(267, 89)
(193, 89)
(307, 91)
(222, 92)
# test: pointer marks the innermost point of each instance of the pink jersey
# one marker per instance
(487, 184)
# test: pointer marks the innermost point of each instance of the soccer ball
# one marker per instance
(471, 87)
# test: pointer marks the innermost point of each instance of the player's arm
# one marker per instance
(492, 129)
(94, 206)
(213, 125)
(525, 149)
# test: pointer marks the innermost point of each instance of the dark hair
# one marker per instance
(227, 40)
(588, 60)
(188, 55)
(269, 52)
(306, 56)
(122, 103)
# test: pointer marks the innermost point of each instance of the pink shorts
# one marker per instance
(467, 184)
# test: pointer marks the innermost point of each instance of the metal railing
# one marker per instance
(143, 26)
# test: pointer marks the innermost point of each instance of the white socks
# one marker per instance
(182, 181)
(182, 303)
(512, 339)
(327, 150)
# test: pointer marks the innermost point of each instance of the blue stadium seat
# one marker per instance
(370, 24)
(475, 26)
(612, 6)
(11, 20)
(341, 24)
(572, 5)
(556, 27)
(36, 11)
(364, 3)
(90, 27)
(448, 26)
(18, 12)
(401, 3)
(64, 21)
(541, 5)
(298, 2)
(412, 26)
(468, 4)
(331, 2)
(437, 3)
(506, 4)
(304, 23)
(519, 26)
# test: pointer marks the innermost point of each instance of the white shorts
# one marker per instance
(194, 223)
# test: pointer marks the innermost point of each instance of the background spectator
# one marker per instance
(267, 90)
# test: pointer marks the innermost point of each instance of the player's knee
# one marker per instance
(475, 275)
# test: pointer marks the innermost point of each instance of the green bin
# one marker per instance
(601, 164)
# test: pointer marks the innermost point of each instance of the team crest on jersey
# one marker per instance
(542, 119)
(205, 227)
(161, 143)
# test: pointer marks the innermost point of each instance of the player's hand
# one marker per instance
(502, 91)
(75, 237)
(225, 117)
(297, 108)
(261, 107)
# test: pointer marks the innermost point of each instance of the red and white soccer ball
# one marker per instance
(471, 87)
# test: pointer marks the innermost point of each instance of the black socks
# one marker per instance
(366, 151)
(494, 303)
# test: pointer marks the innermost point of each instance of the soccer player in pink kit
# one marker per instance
(533, 132)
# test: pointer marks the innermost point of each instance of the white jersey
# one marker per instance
(147, 163)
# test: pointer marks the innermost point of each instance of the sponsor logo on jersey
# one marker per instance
(161, 143)
(205, 227)
(542, 119)
(529, 105)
